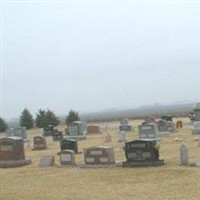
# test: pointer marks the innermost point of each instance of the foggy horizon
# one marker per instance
(93, 56)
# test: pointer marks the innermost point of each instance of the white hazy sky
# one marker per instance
(94, 55)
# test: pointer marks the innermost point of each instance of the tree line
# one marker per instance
(43, 118)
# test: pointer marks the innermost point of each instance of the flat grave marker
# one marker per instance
(47, 161)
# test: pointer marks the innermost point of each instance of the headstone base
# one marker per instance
(39, 149)
(14, 163)
(144, 164)
(79, 152)
(100, 165)
(76, 137)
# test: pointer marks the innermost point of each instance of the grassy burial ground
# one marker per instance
(169, 182)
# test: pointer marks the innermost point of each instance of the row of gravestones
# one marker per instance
(137, 152)
(12, 152)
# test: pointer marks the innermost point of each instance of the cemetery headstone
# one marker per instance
(48, 130)
(93, 129)
(67, 157)
(196, 128)
(57, 135)
(17, 132)
(184, 154)
(69, 144)
(47, 161)
(76, 130)
(142, 153)
(196, 110)
(108, 138)
(39, 143)
(12, 152)
(122, 136)
(149, 131)
(124, 121)
(198, 162)
(100, 155)
(124, 125)
(162, 125)
(125, 128)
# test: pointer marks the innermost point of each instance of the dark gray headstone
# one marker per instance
(142, 153)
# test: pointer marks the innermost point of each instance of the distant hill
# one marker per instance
(157, 110)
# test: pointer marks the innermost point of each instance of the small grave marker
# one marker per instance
(184, 154)
(198, 162)
(39, 143)
(122, 136)
(46, 161)
(93, 129)
(67, 157)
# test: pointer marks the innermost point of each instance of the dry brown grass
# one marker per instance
(169, 182)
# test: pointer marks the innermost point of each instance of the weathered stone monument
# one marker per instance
(142, 153)
(57, 135)
(149, 131)
(17, 132)
(184, 154)
(196, 128)
(196, 110)
(124, 125)
(76, 130)
(69, 144)
(48, 130)
(12, 152)
(162, 126)
(100, 155)
(67, 157)
(93, 129)
(39, 143)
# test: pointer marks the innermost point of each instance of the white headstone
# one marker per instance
(184, 154)
(122, 136)
(198, 162)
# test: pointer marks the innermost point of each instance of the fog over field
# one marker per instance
(93, 56)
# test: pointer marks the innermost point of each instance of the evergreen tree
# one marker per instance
(26, 119)
(41, 119)
(51, 118)
(3, 125)
(45, 118)
(71, 117)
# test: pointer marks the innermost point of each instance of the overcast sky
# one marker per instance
(91, 56)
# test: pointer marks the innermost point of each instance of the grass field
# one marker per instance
(168, 182)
